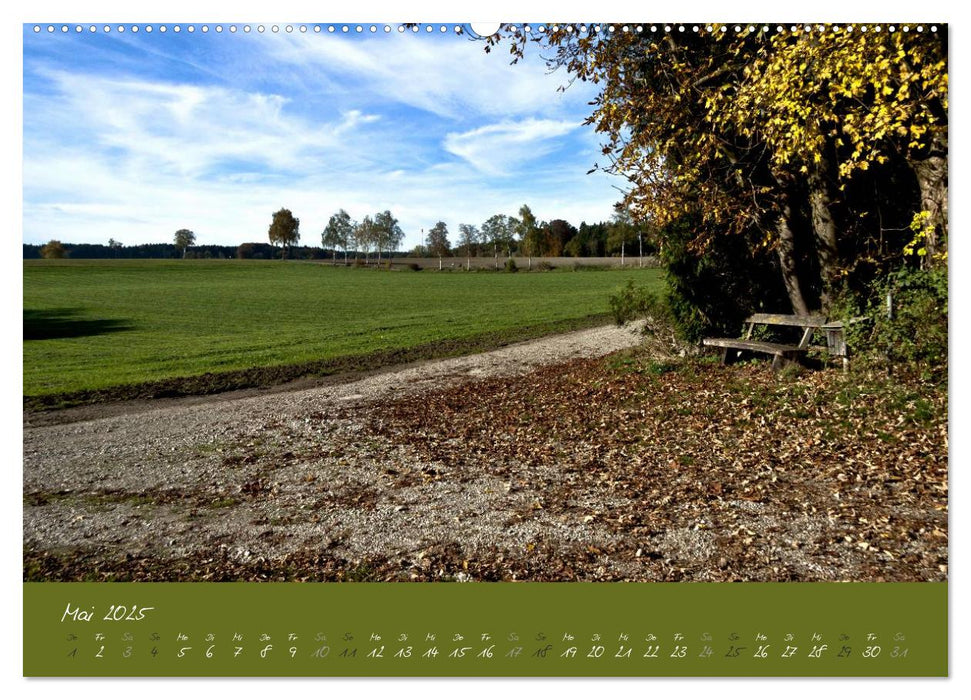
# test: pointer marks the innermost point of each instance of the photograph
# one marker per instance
(465, 303)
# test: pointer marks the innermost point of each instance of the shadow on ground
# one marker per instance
(48, 324)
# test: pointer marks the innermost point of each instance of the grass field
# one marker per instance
(93, 325)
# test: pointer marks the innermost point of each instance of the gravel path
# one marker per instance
(261, 476)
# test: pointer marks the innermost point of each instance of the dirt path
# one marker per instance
(258, 477)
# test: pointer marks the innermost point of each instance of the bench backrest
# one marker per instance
(787, 319)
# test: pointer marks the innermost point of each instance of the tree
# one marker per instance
(529, 234)
(438, 241)
(114, 246)
(832, 105)
(577, 246)
(53, 250)
(779, 137)
(284, 230)
(338, 233)
(558, 234)
(621, 232)
(183, 239)
(591, 239)
(364, 236)
(469, 237)
(388, 233)
(499, 231)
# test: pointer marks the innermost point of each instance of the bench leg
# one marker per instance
(783, 359)
(730, 356)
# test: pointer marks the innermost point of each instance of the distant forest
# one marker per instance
(556, 238)
(257, 251)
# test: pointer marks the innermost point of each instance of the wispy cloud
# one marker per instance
(449, 76)
(498, 149)
(189, 129)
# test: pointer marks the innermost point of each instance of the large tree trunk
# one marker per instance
(787, 261)
(824, 229)
(931, 172)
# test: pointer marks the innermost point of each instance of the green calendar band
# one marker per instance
(478, 629)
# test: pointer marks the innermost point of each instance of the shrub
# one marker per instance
(53, 250)
(630, 303)
(712, 291)
(910, 334)
(414, 267)
(511, 266)
(544, 266)
(359, 263)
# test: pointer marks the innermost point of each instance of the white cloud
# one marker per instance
(449, 77)
(186, 129)
(498, 149)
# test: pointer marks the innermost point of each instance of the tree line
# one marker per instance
(381, 235)
(499, 235)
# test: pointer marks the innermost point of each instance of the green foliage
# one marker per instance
(530, 234)
(339, 231)
(388, 234)
(438, 244)
(544, 266)
(632, 302)
(250, 251)
(499, 231)
(706, 293)
(469, 239)
(913, 337)
(511, 266)
(365, 235)
(183, 239)
(591, 239)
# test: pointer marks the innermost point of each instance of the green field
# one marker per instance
(99, 324)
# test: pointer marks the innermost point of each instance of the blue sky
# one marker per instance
(132, 136)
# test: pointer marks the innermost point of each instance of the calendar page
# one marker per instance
(452, 349)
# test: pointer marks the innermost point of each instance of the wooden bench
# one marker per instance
(782, 354)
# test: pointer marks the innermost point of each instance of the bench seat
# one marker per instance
(781, 354)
